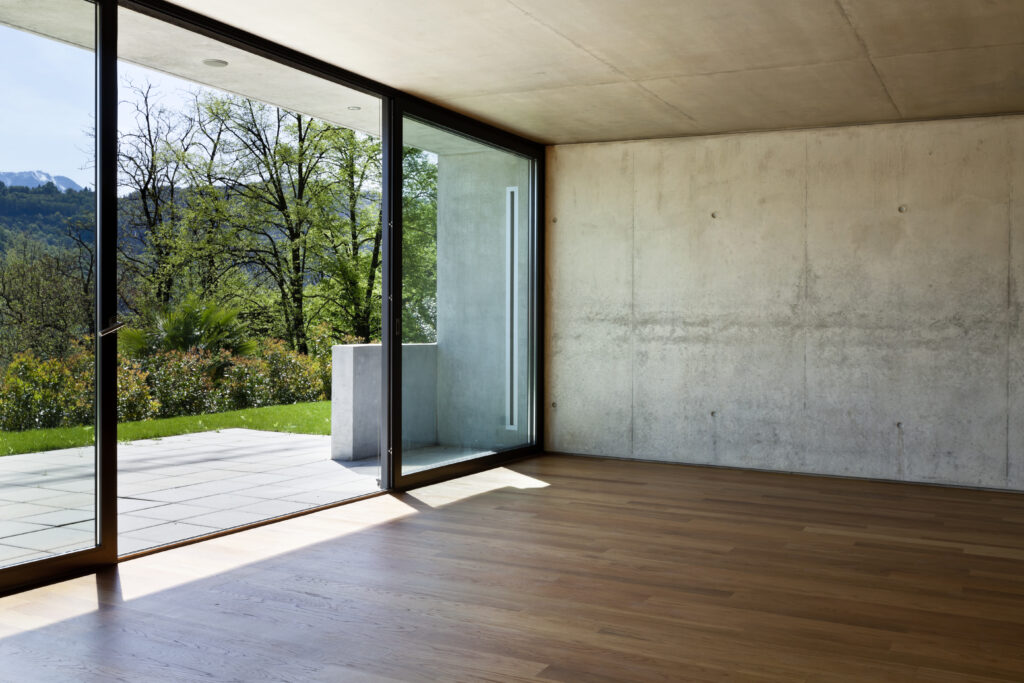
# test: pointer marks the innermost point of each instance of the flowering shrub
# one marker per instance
(294, 377)
(80, 393)
(37, 394)
(276, 376)
(247, 384)
(183, 382)
(326, 375)
(321, 340)
(134, 399)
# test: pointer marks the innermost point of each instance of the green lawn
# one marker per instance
(299, 418)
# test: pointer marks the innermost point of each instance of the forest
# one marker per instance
(249, 242)
(43, 212)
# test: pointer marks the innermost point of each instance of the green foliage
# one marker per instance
(419, 246)
(80, 393)
(320, 342)
(42, 213)
(46, 299)
(151, 141)
(295, 377)
(276, 376)
(189, 326)
(260, 209)
(241, 222)
(233, 203)
(182, 382)
(247, 384)
(348, 251)
(199, 382)
(37, 393)
(134, 399)
(45, 393)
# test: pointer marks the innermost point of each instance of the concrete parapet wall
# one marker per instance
(356, 398)
(840, 301)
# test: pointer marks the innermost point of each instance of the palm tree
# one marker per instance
(191, 326)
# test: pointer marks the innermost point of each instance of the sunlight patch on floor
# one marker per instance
(173, 568)
(438, 495)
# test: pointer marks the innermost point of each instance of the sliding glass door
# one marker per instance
(223, 276)
(467, 305)
(48, 464)
(249, 259)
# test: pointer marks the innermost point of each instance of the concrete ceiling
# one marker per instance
(587, 70)
(148, 42)
(584, 70)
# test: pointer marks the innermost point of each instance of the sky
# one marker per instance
(46, 104)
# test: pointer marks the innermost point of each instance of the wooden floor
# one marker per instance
(563, 568)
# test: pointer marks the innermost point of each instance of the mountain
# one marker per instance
(37, 178)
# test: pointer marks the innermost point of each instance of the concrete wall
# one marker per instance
(761, 300)
(419, 395)
(471, 292)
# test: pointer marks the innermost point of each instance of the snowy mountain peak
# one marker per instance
(37, 178)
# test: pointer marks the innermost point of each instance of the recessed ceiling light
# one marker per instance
(215, 62)
(354, 108)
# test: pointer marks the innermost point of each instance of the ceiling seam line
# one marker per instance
(870, 58)
(778, 67)
(608, 64)
(962, 48)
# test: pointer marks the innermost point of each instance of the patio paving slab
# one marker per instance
(170, 489)
(172, 512)
(15, 511)
(125, 505)
(175, 488)
(52, 538)
(15, 527)
(225, 501)
(226, 519)
(59, 518)
(129, 523)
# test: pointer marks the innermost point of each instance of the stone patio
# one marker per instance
(170, 489)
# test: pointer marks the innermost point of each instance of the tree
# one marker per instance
(348, 254)
(46, 300)
(419, 246)
(256, 208)
(207, 269)
(272, 172)
(152, 145)
(302, 198)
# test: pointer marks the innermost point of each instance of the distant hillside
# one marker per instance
(37, 178)
(44, 212)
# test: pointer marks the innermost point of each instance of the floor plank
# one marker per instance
(564, 569)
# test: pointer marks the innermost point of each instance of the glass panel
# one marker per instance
(249, 264)
(47, 239)
(466, 339)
